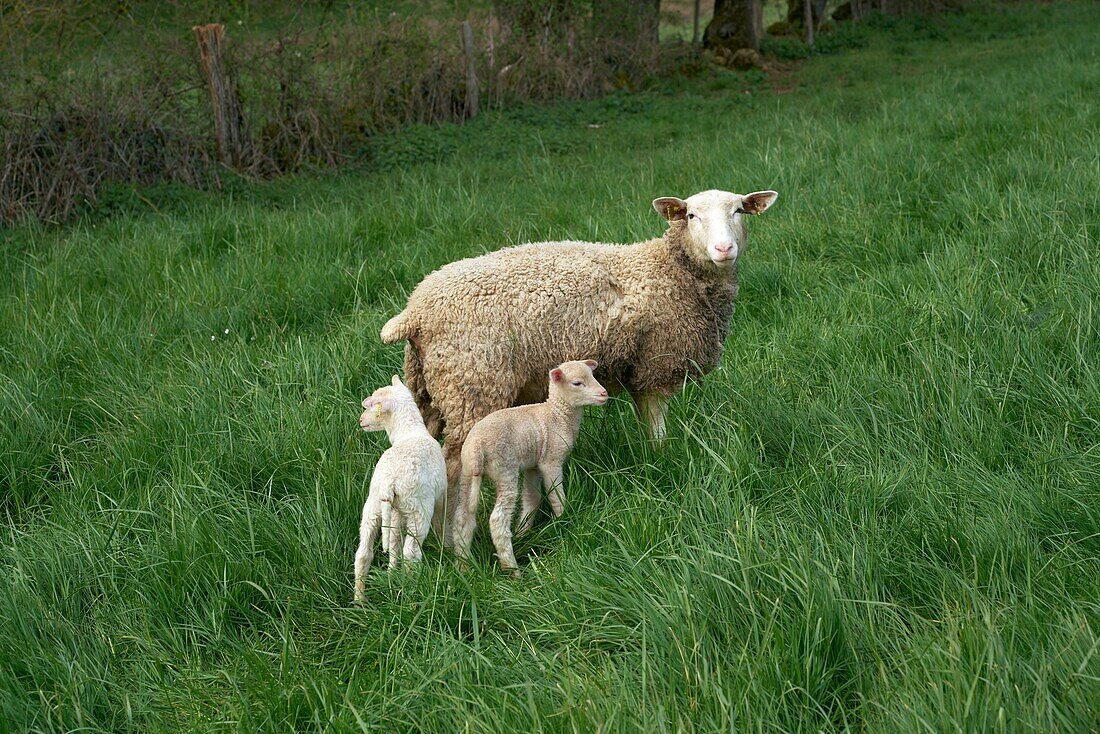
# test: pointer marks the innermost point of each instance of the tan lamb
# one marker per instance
(532, 439)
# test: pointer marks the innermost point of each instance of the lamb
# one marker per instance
(534, 439)
(409, 485)
(482, 333)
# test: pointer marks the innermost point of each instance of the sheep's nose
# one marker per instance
(723, 247)
(603, 393)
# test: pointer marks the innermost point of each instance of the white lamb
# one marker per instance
(409, 486)
(533, 439)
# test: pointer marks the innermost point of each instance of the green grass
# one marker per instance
(881, 513)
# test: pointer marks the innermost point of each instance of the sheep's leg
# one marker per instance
(417, 525)
(532, 498)
(465, 517)
(396, 529)
(364, 554)
(500, 521)
(555, 487)
(414, 380)
(439, 515)
(452, 453)
(652, 407)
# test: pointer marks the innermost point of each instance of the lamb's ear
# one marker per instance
(758, 201)
(557, 375)
(671, 208)
(396, 381)
(592, 364)
(368, 402)
(386, 405)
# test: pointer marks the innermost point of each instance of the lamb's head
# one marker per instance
(712, 224)
(379, 408)
(574, 384)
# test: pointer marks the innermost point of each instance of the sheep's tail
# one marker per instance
(399, 328)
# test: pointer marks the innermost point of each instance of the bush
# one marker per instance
(73, 121)
(789, 48)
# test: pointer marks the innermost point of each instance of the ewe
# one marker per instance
(483, 332)
(533, 439)
(409, 484)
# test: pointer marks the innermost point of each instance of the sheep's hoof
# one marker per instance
(462, 565)
(512, 572)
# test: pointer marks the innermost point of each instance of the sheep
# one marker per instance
(481, 333)
(409, 486)
(533, 439)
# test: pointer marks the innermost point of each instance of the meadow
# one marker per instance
(880, 513)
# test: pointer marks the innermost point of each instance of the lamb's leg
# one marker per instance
(652, 407)
(500, 521)
(555, 486)
(364, 554)
(396, 531)
(532, 498)
(465, 517)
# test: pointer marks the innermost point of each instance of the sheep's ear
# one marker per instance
(592, 364)
(758, 201)
(368, 402)
(671, 208)
(557, 375)
(396, 381)
(386, 405)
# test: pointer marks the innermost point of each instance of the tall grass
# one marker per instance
(881, 513)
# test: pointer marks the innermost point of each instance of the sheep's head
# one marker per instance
(713, 221)
(573, 383)
(379, 407)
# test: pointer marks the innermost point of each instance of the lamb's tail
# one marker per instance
(386, 512)
(399, 328)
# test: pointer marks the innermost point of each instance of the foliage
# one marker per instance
(843, 37)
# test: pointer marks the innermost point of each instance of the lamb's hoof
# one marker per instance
(462, 565)
(512, 573)
(359, 600)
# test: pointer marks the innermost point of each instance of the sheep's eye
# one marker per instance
(577, 383)
(739, 211)
(691, 215)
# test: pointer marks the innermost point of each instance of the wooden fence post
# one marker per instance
(808, 19)
(472, 95)
(223, 96)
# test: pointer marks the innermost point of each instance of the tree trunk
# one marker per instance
(736, 24)
(808, 20)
